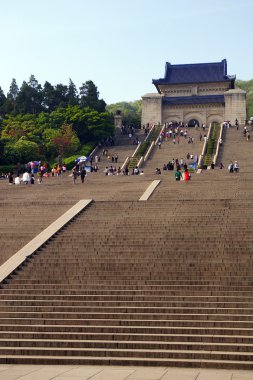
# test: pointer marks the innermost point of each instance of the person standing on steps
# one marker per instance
(82, 175)
(74, 175)
(236, 167)
(231, 167)
(178, 175)
(26, 178)
(187, 175)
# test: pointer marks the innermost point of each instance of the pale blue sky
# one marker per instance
(121, 45)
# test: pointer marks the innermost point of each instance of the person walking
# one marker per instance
(74, 175)
(83, 175)
(236, 167)
(187, 175)
(231, 167)
(178, 175)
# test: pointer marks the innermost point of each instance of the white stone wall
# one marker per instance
(235, 105)
(203, 113)
(151, 109)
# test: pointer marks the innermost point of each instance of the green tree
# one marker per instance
(248, 87)
(131, 112)
(89, 97)
(61, 95)
(67, 142)
(48, 93)
(10, 104)
(13, 91)
(72, 94)
(30, 96)
(2, 102)
(21, 151)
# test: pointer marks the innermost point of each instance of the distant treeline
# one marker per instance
(247, 85)
(131, 112)
(32, 98)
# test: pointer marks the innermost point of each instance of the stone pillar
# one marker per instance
(151, 109)
(235, 105)
(118, 119)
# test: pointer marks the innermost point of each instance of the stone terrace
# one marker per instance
(165, 282)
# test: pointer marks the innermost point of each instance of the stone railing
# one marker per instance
(20, 257)
(149, 133)
(152, 145)
(149, 151)
(94, 151)
(141, 159)
(201, 157)
(125, 163)
(140, 162)
(218, 144)
(136, 150)
(157, 140)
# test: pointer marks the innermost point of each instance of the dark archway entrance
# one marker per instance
(193, 122)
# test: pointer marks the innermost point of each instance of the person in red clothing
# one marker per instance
(187, 175)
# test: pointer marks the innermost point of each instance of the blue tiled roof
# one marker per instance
(178, 100)
(195, 73)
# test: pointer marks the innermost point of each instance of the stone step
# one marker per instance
(134, 353)
(127, 361)
(125, 322)
(126, 345)
(93, 336)
(69, 325)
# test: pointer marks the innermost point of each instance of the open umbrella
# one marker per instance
(81, 159)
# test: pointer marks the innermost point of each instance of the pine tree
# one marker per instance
(13, 91)
(10, 103)
(89, 97)
(30, 96)
(72, 94)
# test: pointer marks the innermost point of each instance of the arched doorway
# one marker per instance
(193, 122)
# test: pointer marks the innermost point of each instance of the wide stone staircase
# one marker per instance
(123, 148)
(236, 147)
(163, 282)
(168, 151)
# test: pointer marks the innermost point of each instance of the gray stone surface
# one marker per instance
(33, 372)
(18, 258)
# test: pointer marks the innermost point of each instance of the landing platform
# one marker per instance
(38, 372)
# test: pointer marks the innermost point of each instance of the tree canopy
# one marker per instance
(34, 98)
(131, 112)
(42, 122)
(248, 87)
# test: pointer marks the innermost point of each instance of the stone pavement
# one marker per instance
(61, 372)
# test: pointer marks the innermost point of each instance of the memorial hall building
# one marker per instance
(199, 93)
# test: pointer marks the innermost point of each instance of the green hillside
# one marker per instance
(247, 85)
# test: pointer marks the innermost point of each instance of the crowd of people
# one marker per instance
(180, 167)
(35, 171)
(173, 132)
